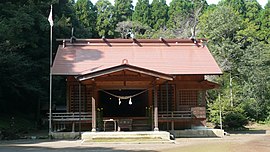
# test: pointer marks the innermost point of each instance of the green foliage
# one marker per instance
(86, 14)
(265, 24)
(251, 24)
(178, 13)
(219, 24)
(159, 14)
(22, 51)
(235, 120)
(256, 91)
(237, 5)
(129, 29)
(142, 12)
(184, 17)
(105, 19)
(12, 126)
(123, 10)
(164, 33)
(238, 44)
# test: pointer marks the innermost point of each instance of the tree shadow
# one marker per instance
(69, 146)
(248, 132)
(73, 60)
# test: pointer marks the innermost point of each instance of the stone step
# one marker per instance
(125, 136)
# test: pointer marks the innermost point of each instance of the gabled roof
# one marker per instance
(166, 56)
(121, 68)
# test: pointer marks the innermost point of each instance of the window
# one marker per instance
(162, 97)
(86, 94)
(188, 98)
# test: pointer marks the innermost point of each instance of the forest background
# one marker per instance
(238, 33)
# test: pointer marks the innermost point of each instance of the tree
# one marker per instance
(24, 51)
(251, 23)
(238, 5)
(134, 29)
(253, 69)
(123, 10)
(237, 44)
(265, 24)
(178, 13)
(65, 18)
(105, 19)
(220, 24)
(24, 55)
(184, 17)
(86, 14)
(198, 6)
(159, 14)
(142, 12)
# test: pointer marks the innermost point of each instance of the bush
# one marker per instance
(235, 120)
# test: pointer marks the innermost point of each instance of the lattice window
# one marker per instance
(74, 104)
(188, 98)
(89, 95)
(162, 97)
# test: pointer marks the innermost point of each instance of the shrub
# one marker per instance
(235, 120)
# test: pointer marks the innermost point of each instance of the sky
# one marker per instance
(262, 2)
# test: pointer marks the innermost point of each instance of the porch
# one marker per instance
(82, 121)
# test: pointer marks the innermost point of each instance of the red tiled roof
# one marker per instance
(168, 56)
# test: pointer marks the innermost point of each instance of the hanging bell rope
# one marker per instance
(125, 97)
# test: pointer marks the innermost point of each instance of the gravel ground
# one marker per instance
(232, 143)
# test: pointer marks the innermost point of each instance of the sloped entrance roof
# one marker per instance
(121, 68)
(166, 56)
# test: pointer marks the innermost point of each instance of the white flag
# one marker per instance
(50, 17)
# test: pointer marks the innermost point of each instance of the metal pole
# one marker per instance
(220, 109)
(231, 91)
(50, 96)
(155, 109)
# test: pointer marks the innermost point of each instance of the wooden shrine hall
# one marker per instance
(134, 84)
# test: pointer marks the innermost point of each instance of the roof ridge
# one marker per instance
(109, 42)
(160, 40)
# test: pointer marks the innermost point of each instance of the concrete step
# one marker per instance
(137, 136)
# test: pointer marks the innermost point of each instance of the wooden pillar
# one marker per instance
(155, 109)
(93, 115)
(172, 125)
(167, 103)
(80, 107)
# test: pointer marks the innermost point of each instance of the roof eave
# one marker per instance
(118, 68)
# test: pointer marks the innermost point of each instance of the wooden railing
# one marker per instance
(72, 116)
(174, 115)
(59, 120)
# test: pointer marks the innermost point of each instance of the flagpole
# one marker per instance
(50, 124)
(50, 104)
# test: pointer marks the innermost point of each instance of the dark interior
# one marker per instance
(111, 107)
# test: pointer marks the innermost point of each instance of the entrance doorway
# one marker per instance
(112, 107)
